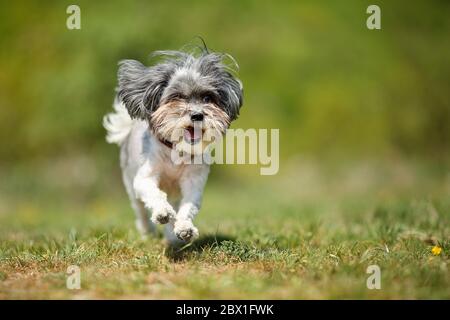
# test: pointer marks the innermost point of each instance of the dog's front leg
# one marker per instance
(146, 187)
(192, 184)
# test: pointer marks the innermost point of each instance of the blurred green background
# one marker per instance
(338, 92)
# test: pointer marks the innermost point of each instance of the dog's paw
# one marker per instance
(185, 230)
(163, 214)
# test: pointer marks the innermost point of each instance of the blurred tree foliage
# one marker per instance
(310, 68)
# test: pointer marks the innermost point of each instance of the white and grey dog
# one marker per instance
(169, 106)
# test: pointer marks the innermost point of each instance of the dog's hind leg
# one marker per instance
(143, 223)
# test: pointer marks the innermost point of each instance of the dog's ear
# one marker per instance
(228, 86)
(140, 87)
(231, 94)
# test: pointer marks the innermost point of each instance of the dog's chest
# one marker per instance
(169, 179)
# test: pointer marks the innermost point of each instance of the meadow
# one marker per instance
(308, 234)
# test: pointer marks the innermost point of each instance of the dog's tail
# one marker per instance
(118, 124)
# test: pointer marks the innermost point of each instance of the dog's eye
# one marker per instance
(207, 98)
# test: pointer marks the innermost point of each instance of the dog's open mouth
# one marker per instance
(193, 135)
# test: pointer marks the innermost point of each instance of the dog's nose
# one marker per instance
(197, 116)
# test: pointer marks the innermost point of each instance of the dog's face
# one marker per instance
(187, 99)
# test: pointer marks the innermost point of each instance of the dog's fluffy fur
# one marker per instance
(159, 109)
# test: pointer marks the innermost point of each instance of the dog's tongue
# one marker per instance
(193, 133)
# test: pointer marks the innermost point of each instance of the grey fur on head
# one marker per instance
(142, 89)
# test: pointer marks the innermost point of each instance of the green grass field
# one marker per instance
(309, 233)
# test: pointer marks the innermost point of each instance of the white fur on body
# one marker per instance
(172, 193)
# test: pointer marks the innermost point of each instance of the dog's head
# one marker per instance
(187, 98)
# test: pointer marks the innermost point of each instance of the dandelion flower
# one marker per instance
(436, 250)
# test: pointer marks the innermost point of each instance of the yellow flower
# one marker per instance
(436, 250)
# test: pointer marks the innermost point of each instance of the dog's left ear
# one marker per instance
(231, 94)
(140, 87)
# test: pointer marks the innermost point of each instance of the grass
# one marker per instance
(308, 234)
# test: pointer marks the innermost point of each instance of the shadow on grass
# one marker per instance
(177, 254)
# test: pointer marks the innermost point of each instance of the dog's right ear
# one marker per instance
(140, 87)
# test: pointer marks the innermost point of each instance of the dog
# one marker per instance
(172, 107)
